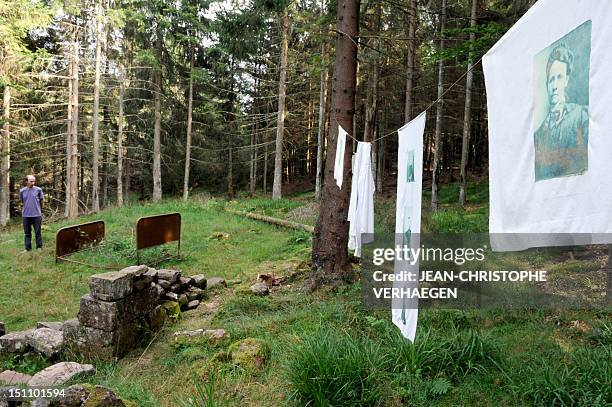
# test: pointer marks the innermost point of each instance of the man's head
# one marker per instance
(558, 71)
(30, 181)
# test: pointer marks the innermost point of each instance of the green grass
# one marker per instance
(324, 348)
(35, 288)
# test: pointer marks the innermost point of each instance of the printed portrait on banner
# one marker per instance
(410, 167)
(561, 105)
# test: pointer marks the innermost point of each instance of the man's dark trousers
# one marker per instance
(27, 229)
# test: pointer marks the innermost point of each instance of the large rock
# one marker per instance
(135, 270)
(260, 289)
(14, 342)
(58, 326)
(172, 276)
(10, 377)
(216, 282)
(249, 353)
(102, 315)
(46, 341)
(96, 344)
(199, 280)
(108, 316)
(111, 286)
(60, 373)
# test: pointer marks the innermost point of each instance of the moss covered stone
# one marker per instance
(249, 353)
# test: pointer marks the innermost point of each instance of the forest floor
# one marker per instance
(323, 348)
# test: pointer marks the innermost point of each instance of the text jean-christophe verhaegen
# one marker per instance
(408, 257)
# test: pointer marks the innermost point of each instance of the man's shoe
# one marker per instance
(39, 249)
(25, 251)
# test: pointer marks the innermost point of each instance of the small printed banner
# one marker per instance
(408, 219)
(339, 163)
(361, 206)
(548, 102)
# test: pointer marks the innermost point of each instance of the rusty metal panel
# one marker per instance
(157, 230)
(72, 239)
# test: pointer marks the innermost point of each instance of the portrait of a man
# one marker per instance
(410, 167)
(561, 139)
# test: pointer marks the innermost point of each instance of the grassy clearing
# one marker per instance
(34, 288)
(324, 349)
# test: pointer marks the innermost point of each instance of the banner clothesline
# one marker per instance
(427, 108)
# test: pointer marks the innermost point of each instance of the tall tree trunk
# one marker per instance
(72, 193)
(5, 160)
(370, 113)
(412, 21)
(68, 161)
(252, 163)
(467, 119)
(128, 174)
(280, 128)
(321, 130)
(309, 116)
(330, 261)
(105, 177)
(380, 165)
(439, 110)
(157, 177)
(56, 172)
(189, 124)
(120, 136)
(95, 194)
(230, 168)
(265, 170)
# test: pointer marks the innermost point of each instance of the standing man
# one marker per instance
(31, 197)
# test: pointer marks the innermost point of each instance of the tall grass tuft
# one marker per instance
(205, 395)
(336, 369)
(584, 379)
(454, 356)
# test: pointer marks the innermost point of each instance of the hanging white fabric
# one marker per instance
(405, 312)
(361, 206)
(549, 98)
(339, 163)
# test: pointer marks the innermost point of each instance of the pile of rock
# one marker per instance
(125, 307)
(187, 291)
(122, 309)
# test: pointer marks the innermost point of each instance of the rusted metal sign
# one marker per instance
(72, 239)
(156, 230)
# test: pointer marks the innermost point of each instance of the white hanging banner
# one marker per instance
(361, 206)
(550, 127)
(405, 311)
(339, 163)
